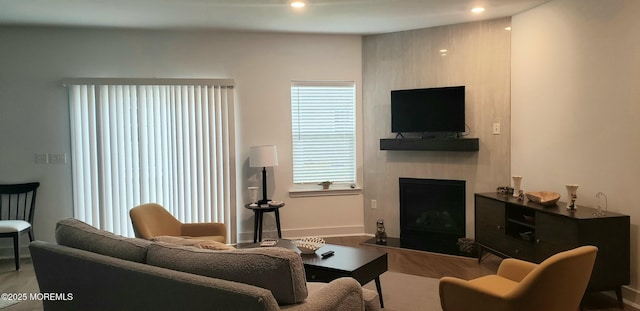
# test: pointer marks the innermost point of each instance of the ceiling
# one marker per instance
(319, 16)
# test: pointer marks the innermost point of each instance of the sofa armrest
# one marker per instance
(340, 294)
(515, 269)
(460, 295)
(204, 229)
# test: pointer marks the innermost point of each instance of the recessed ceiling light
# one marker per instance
(477, 10)
(444, 51)
(298, 4)
(507, 28)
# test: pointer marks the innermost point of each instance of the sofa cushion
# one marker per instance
(77, 234)
(208, 244)
(277, 269)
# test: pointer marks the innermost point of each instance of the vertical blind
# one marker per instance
(169, 144)
(323, 131)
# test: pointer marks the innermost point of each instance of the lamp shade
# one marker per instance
(263, 156)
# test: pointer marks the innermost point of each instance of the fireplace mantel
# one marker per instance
(430, 144)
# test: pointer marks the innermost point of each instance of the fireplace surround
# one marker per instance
(432, 214)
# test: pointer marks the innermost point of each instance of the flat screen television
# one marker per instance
(428, 110)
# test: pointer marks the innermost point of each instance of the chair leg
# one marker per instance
(32, 236)
(16, 250)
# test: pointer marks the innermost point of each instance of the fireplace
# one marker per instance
(432, 214)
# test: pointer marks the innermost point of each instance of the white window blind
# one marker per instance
(168, 144)
(323, 131)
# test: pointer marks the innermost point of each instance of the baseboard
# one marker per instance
(244, 237)
(631, 297)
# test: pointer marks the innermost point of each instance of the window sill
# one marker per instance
(301, 191)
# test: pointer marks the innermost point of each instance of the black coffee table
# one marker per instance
(364, 265)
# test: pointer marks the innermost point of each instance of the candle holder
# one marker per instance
(599, 212)
(253, 196)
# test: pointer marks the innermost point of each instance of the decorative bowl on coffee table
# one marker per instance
(309, 245)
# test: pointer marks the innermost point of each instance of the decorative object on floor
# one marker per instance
(309, 245)
(572, 191)
(17, 206)
(546, 198)
(325, 184)
(599, 212)
(517, 182)
(381, 234)
(467, 245)
(263, 156)
(253, 195)
(557, 283)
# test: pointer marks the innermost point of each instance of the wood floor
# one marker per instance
(400, 260)
(436, 265)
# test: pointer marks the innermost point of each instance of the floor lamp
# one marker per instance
(263, 156)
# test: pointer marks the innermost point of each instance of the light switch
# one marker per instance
(496, 129)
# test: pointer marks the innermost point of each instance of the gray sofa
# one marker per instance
(91, 269)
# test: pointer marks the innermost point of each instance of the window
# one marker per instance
(136, 143)
(324, 132)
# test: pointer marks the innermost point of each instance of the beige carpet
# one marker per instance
(405, 292)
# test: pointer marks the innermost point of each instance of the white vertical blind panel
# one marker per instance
(323, 130)
(151, 143)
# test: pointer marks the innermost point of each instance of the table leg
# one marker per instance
(278, 224)
(379, 288)
(260, 220)
(619, 296)
(255, 226)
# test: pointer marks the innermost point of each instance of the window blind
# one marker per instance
(323, 131)
(169, 144)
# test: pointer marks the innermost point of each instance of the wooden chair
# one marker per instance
(556, 284)
(17, 205)
(152, 220)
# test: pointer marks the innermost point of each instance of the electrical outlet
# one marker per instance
(496, 129)
(58, 158)
(374, 204)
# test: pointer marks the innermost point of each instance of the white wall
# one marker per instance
(576, 105)
(34, 110)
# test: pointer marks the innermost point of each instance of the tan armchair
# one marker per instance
(152, 220)
(556, 284)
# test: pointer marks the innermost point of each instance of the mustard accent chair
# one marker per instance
(556, 284)
(152, 220)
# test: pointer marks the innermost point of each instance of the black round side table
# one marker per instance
(258, 218)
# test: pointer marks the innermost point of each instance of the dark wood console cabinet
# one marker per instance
(532, 232)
